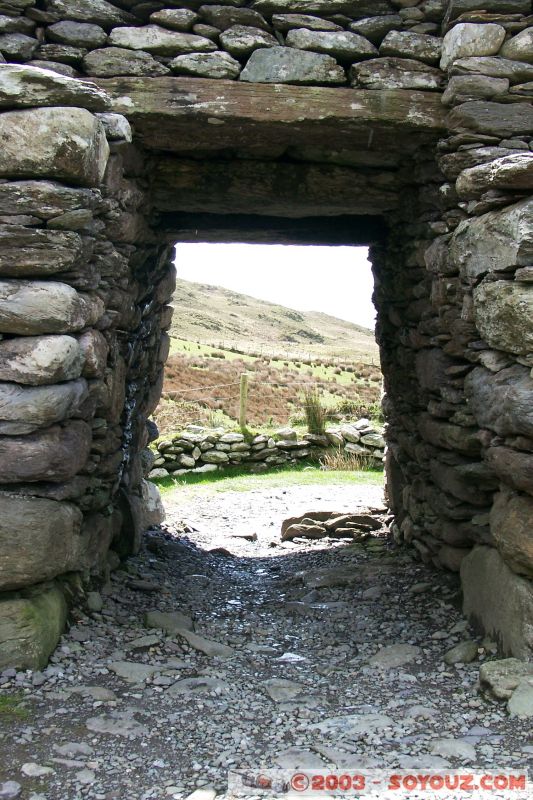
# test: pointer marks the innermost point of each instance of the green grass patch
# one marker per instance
(12, 707)
(239, 479)
(194, 350)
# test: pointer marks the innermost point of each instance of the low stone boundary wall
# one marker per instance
(198, 450)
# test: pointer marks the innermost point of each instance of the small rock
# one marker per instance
(33, 770)
(353, 724)
(10, 790)
(454, 748)
(168, 621)
(206, 646)
(394, 655)
(462, 653)
(98, 693)
(503, 676)
(121, 725)
(132, 671)
(143, 642)
(85, 777)
(281, 690)
(200, 685)
(74, 749)
(205, 793)
(94, 601)
(520, 703)
(298, 758)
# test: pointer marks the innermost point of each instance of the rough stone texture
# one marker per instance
(153, 509)
(55, 454)
(99, 12)
(396, 73)
(23, 87)
(159, 41)
(458, 7)
(510, 525)
(498, 600)
(224, 17)
(40, 539)
(502, 402)
(514, 71)
(26, 252)
(468, 39)
(207, 65)
(462, 88)
(241, 40)
(111, 61)
(503, 311)
(35, 307)
(95, 350)
(286, 22)
(519, 47)
(116, 126)
(513, 172)
(17, 46)
(492, 119)
(494, 242)
(177, 19)
(78, 34)
(512, 466)
(342, 45)
(23, 409)
(280, 65)
(43, 199)
(403, 44)
(30, 627)
(35, 360)
(61, 143)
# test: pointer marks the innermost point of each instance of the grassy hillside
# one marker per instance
(218, 334)
(220, 317)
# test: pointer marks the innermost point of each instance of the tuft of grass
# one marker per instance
(340, 460)
(315, 413)
(12, 707)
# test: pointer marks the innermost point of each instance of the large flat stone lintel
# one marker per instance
(255, 229)
(279, 189)
(194, 114)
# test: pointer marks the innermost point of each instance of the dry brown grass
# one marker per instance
(340, 460)
(195, 386)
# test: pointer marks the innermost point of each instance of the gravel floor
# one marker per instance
(128, 711)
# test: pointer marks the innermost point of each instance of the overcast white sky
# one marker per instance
(335, 280)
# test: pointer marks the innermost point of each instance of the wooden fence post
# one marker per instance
(243, 401)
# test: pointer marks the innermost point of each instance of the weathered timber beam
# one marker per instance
(251, 229)
(185, 114)
(280, 189)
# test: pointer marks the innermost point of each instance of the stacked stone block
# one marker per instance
(73, 286)
(460, 467)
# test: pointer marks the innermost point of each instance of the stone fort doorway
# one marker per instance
(98, 210)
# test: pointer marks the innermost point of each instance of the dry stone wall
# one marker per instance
(86, 274)
(198, 450)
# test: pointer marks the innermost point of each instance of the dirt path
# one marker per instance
(293, 684)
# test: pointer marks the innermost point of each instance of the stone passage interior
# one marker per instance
(404, 125)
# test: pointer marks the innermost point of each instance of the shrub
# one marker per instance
(375, 412)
